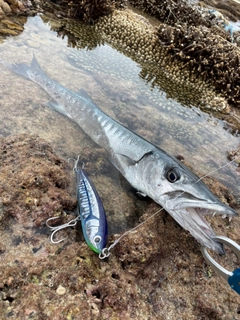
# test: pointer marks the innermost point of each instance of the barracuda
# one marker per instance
(147, 168)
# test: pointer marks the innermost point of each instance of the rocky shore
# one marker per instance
(156, 271)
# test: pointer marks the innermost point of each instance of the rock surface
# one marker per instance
(154, 272)
(13, 17)
(203, 40)
(13, 6)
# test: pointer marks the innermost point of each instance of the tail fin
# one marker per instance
(23, 69)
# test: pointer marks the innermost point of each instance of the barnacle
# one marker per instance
(174, 11)
(88, 10)
(12, 6)
(190, 37)
(207, 53)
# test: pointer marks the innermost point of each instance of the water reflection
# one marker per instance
(124, 89)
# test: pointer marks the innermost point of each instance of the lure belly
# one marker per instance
(91, 211)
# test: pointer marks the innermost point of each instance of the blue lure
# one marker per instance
(91, 211)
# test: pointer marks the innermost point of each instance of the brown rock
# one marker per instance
(5, 7)
(8, 32)
(13, 2)
(36, 184)
(11, 25)
(20, 6)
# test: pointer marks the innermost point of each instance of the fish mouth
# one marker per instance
(190, 213)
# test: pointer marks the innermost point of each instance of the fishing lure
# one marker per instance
(91, 211)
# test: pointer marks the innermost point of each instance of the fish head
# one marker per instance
(184, 196)
(97, 243)
(95, 235)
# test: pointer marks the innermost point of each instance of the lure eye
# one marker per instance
(172, 176)
(97, 239)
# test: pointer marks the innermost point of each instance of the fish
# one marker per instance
(148, 168)
(91, 211)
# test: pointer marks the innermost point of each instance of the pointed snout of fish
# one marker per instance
(207, 208)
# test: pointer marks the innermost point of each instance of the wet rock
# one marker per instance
(228, 8)
(139, 38)
(175, 48)
(207, 54)
(192, 34)
(33, 180)
(13, 25)
(1, 211)
(152, 270)
(136, 37)
(13, 6)
(5, 7)
(201, 49)
(151, 273)
(87, 10)
(234, 155)
(8, 32)
(172, 12)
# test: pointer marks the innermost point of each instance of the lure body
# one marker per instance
(91, 211)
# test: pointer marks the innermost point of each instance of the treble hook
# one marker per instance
(71, 223)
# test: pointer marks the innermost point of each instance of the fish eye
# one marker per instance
(97, 239)
(172, 176)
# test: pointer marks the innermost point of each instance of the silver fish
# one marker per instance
(146, 167)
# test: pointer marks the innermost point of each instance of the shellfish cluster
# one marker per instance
(206, 53)
(136, 36)
(173, 11)
(196, 36)
(12, 6)
(87, 10)
(191, 34)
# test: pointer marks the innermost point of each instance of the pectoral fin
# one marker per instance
(133, 161)
(126, 161)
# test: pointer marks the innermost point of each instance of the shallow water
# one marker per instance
(118, 87)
